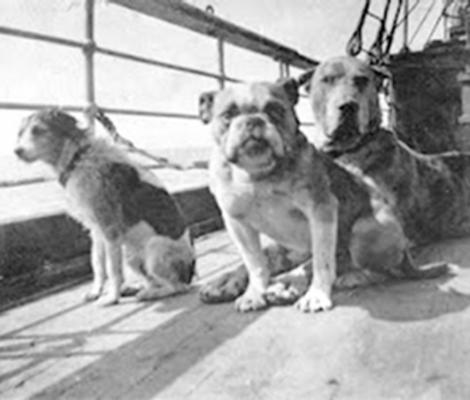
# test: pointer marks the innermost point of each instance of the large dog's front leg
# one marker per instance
(98, 260)
(113, 250)
(323, 220)
(247, 241)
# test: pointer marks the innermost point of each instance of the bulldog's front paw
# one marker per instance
(315, 300)
(251, 300)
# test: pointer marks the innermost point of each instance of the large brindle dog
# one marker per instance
(267, 179)
(430, 194)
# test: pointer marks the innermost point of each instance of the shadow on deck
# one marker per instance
(403, 340)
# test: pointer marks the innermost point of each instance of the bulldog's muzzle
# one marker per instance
(251, 144)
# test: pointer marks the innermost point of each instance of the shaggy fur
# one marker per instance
(267, 179)
(130, 215)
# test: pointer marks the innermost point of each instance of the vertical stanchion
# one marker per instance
(406, 10)
(89, 50)
(284, 71)
(221, 59)
(281, 69)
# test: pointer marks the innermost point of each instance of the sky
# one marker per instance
(37, 72)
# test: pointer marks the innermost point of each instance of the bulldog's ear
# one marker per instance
(291, 89)
(206, 101)
(305, 80)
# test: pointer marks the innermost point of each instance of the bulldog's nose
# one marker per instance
(351, 107)
(255, 123)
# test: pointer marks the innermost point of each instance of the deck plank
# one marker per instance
(395, 341)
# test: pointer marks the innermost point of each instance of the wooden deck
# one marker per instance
(400, 341)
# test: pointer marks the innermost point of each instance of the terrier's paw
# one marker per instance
(91, 296)
(127, 290)
(107, 300)
(314, 300)
(251, 300)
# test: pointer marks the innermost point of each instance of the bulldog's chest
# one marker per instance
(270, 209)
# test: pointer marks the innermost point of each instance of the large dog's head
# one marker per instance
(254, 124)
(343, 93)
(43, 134)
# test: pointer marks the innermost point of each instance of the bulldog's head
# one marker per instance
(254, 124)
(344, 98)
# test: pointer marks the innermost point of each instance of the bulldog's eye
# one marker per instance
(329, 79)
(230, 112)
(361, 82)
(275, 111)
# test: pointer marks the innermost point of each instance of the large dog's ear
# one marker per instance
(206, 102)
(305, 79)
(291, 89)
(381, 73)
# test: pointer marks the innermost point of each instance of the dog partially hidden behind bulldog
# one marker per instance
(267, 179)
(430, 193)
(130, 215)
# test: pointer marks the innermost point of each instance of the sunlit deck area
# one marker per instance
(397, 341)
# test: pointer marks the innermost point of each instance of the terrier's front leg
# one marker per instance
(113, 250)
(247, 241)
(98, 261)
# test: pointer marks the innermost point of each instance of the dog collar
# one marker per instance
(65, 174)
(335, 152)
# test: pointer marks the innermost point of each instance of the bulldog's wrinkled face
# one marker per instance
(254, 124)
(42, 135)
(344, 99)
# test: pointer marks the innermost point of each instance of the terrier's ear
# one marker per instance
(206, 101)
(305, 79)
(291, 89)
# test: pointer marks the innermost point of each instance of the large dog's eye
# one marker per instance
(275, 111)
(361, 82)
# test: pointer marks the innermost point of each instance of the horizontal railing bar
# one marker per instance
(190, 17)
(150, 61)
(5, 105)
(41, 37)
(148, 113)
(112, 53)
(111, 110)
(307, 123)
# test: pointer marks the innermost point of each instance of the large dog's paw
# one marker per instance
(280, 294)
(226, 288)
(358, 278)
(251, 300)
(314, 300)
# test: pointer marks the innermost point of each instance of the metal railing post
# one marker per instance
(284, 71)
(221, 60)
(89, 51)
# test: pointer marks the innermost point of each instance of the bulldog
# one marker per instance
(268, 179)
